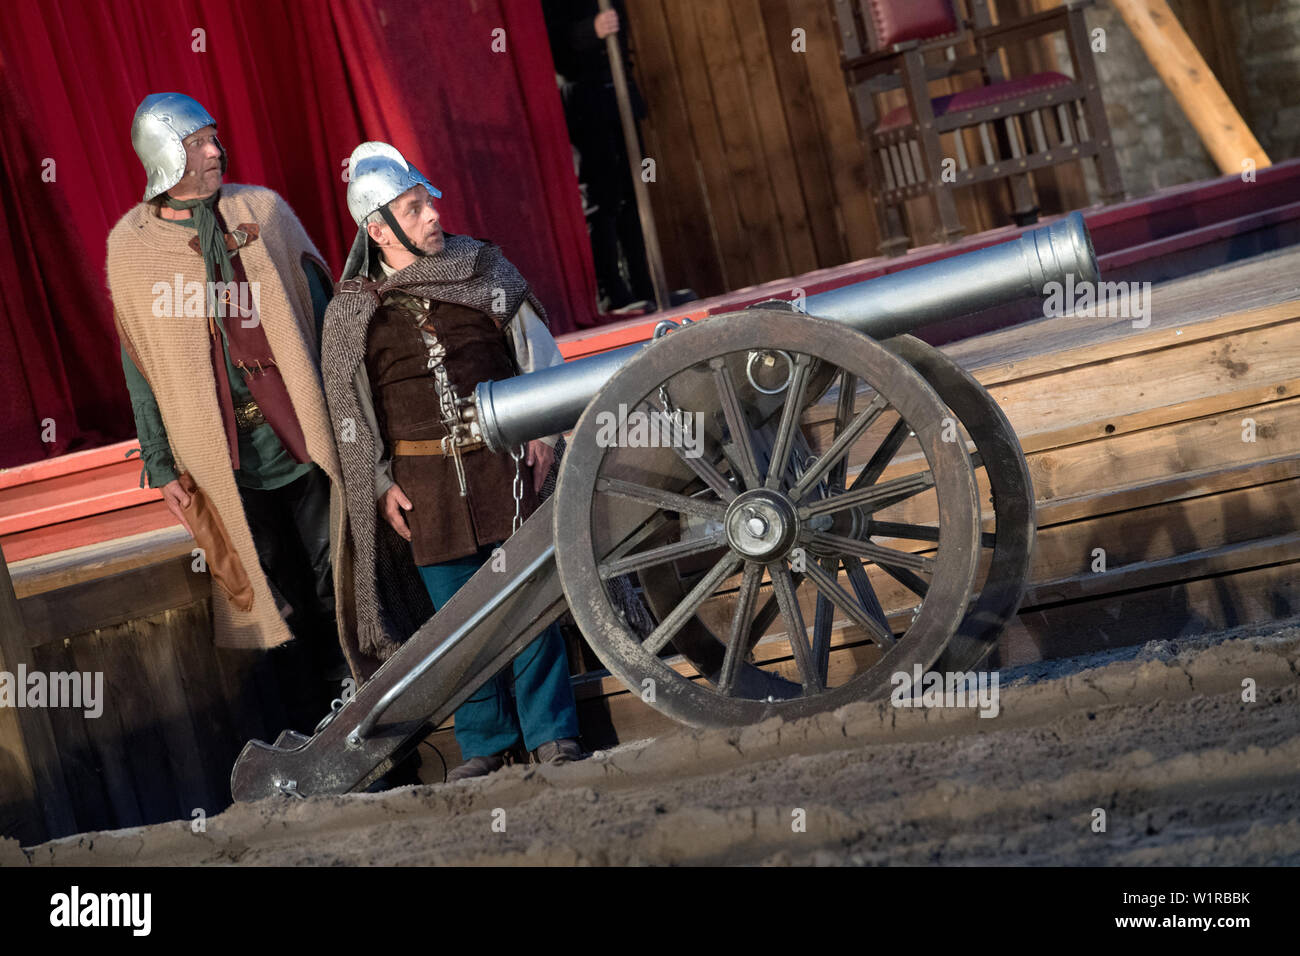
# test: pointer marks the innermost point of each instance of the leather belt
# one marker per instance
(248, 416)
(432, 446)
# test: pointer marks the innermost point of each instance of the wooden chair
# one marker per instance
(1023, 123)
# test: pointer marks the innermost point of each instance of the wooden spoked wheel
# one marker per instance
(711, 468)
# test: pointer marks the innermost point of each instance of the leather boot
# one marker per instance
(559, 751)
(477, 767)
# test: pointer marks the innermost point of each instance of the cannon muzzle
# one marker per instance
(516, 410)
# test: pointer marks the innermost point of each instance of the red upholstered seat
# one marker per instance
(976, 98)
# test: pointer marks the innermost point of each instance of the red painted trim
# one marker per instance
(1199, 237)
(91, 529)
(68, 464)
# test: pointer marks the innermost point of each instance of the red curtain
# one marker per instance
(464, 88)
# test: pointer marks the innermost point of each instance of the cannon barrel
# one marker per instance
(515, 410)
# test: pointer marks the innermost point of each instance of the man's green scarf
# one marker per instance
(212, 242)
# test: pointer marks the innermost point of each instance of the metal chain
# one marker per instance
(675, 415)
(518, 487)
(446, 404)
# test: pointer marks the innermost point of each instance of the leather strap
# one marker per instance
(237, 238)
(430, 447)
(397, 231)
(358, 284)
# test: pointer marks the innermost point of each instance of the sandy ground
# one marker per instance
(1158, 737)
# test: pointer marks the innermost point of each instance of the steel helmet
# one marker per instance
(162, 121)
(377, 174)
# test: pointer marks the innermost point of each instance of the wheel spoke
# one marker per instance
(839, 447)
(702, 468)
(866, 594)
(783, 589)
(661, 555)
(882, 456)
(790, 415)
(848, 604)
(843, 409)
(877, 496)
(917, 585)
(651, 527)
(664, 500)
(873, 552)
(736, 422)
(735, 653)
(767, 613)
(823, 620)
(678, 616)
(921, 532)
(897, 529)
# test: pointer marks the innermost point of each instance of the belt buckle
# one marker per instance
(249, 416)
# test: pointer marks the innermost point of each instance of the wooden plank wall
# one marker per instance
(34, 802)
(176, 710)
(760, 172)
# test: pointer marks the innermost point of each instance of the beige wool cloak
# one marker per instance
(147, 258)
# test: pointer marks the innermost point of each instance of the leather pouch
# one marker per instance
(219, 553)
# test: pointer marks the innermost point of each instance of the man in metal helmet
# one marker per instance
(420, 318)
(218, 294)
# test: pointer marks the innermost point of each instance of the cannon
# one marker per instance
(748, 474)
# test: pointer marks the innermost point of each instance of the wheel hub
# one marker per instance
(761, 525)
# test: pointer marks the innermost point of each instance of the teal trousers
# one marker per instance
(531, 699)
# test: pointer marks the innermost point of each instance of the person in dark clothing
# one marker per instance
(577, 32)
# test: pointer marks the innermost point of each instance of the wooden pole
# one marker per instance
(1183, 69)
(654, 258)
(34, 802)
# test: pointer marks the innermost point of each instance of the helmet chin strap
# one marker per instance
(397, 231)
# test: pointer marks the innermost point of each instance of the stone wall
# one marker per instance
(1268, 43)
(1157, 146)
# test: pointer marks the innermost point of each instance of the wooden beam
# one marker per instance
(97, 603)
(1183, 69)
